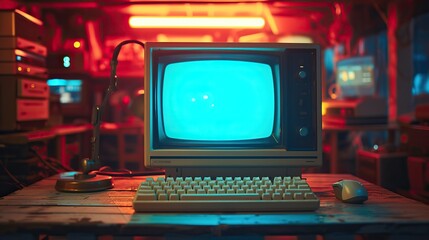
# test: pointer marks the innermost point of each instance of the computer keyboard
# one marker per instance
(229, 194)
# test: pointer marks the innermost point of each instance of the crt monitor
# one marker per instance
(232, 109)
(355, 77)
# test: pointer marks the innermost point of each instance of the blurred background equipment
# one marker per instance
(24, 94)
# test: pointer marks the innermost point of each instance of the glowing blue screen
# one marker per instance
(218, 100)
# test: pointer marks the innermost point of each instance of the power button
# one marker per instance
(303, 131)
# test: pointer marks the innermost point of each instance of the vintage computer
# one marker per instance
(356, 101)
(230, 118)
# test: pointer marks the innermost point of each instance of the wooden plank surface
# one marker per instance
(41, 209)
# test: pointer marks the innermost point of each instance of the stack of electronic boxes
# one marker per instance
(24, 93)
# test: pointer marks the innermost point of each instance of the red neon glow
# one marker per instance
(94, 42)
(197, 22)
(126, 100)
(404, 138)
(109, 126)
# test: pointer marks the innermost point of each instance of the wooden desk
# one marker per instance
(39, 209)
(333, 130)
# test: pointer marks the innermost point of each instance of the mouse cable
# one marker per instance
(43, 160)
(18, 183)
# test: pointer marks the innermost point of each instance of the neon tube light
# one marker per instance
(197, 22)
(29, 17)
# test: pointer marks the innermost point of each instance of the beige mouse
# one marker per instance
(350, 191)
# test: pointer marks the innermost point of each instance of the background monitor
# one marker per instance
(69, 90)
(355, 77)
(72, 92)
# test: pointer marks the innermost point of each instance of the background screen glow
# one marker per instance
(218, 100)
(70, 90)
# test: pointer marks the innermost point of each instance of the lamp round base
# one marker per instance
(91, 184)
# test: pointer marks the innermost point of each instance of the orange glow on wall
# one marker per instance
(197, 22)
(183, 38)
(29, 17)
(337, 9)
(295, 39)
(257, 37)
(324, 107)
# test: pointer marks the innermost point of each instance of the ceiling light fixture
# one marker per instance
(197, 22)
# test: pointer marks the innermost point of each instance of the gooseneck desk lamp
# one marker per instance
(87, 180)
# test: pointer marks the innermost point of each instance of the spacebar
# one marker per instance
(192, 197)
